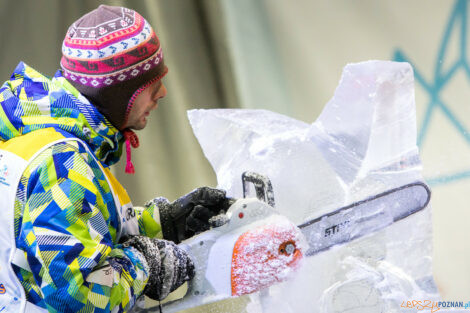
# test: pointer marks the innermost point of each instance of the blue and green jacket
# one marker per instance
(65, 215)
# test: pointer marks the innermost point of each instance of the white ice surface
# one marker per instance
(363, 143)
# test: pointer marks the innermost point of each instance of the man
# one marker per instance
(70, 239)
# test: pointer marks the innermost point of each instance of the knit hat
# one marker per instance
(111, 55)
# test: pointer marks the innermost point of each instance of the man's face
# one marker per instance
(145, 102)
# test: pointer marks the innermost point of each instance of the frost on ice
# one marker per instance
(363, 144)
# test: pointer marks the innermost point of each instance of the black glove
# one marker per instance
(169, 265)
(190, 214)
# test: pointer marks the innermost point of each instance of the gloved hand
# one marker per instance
(190, 214)
(169, 265)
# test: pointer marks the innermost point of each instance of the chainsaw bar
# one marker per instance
(364, 217)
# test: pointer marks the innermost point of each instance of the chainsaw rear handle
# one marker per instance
(263, 189)
(262, 184)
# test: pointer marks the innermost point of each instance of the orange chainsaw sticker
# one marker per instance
(263, 257)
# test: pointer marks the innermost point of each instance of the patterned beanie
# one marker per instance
(111, 55)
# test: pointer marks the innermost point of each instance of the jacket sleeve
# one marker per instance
(148, 218)
(69, 234)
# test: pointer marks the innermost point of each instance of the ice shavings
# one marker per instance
(374, 287)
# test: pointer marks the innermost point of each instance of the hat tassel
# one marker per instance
(131, 140)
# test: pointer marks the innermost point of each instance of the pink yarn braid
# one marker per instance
(131, 140)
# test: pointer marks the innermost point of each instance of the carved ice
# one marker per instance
(363, 143)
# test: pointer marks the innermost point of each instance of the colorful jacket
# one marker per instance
(63, 197)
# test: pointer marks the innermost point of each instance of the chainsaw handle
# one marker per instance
(262, 184)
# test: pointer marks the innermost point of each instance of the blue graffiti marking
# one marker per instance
(457, 23)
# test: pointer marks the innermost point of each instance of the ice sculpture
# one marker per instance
(363, 144)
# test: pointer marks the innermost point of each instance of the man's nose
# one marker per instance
(163, 91)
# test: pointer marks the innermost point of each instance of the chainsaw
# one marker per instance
(252, 246)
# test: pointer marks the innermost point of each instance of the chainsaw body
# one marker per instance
(253, 249)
